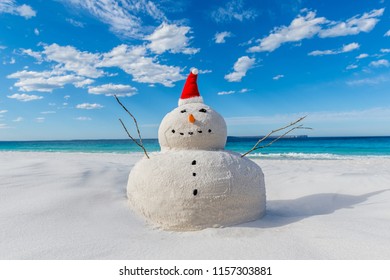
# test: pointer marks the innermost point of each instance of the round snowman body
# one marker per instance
(193, 183)
(196, 189)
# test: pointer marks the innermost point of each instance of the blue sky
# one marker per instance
(262, 64)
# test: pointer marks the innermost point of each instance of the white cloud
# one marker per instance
(10, 7)
(40, 119)
(2, 112)
(226, 92)
(83, 119)
(109, 12)
(233, 91)
(113, 89)
(380, 63)
(350, 47)
(26, 11)
(354, 25)
(369, 81)
(351, 66)
(387, 33)
(308, 25)
(133, 60)
(24, 97)
(206, 71)
(220, 37)
(385, 50)
(27, 74)
(36, 55)
(78, 66)
(122, 18)
(172, 38)
(89, 106)
(36, 31)
(10, 61)
(242, 65)
(378, 113)
(48, 112)
(302, 27)
(71, 59)
(83, 83)
(277, 77)
(362, 55)
(3, 126)
(365, 114)
(234, 9)
(346, 48)
(75, 22)
(18, 119)
(44, 81)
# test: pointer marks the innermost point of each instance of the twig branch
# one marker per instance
(135, 141)
(131, 115)
(140, 144)
(257, 147)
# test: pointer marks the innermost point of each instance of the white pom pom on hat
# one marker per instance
(190, 93)
(194, 71)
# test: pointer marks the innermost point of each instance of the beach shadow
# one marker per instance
(283, 212)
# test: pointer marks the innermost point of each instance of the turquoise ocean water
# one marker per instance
(288, 148)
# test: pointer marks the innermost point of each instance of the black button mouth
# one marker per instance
(191, 132)
(195, 192)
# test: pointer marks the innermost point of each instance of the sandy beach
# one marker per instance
(74, 206)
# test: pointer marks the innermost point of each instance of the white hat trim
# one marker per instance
(196, 99)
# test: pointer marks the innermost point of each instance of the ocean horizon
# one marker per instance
(293, 147)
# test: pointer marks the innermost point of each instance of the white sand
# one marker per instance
(74, 206)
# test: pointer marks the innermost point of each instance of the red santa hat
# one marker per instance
(190, 93)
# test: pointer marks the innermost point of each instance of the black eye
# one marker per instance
(183, 111)
(202, 110)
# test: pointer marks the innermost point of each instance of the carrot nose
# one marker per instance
(191, 118)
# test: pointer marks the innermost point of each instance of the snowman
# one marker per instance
(193, 183)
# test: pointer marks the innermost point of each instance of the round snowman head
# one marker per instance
(193, 125)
